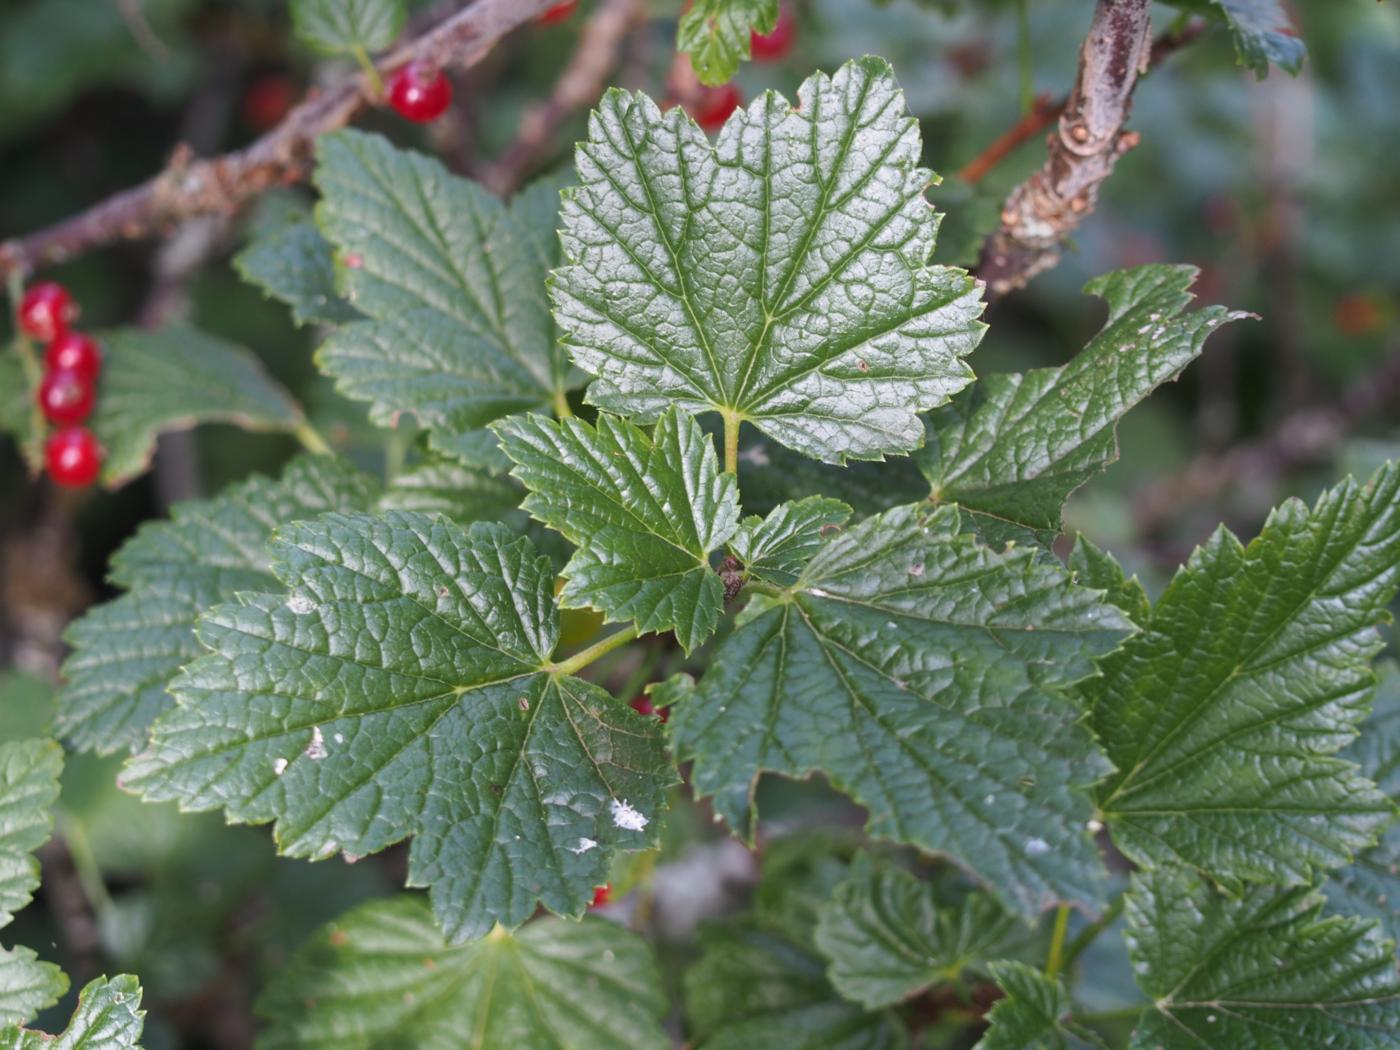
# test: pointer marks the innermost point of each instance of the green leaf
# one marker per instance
(923, 674)
(1266, 970)
(1029, 1016)
(780, 277)
(889, 937)
(461, 492)
(645, 512)
(108, 1017)
(1370, 886)
(1012, 449)
(716, 34)
(452, 280)
(776, 548)
(339, 27)
(1262, 31)
(126, 651)
(1224, 716)
(294, 265)
(753, 988)
(173, 379)
(404, 687)
(1096, 568)
(29, 771)
(17, 415)
(383, 976)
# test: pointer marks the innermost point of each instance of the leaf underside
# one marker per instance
(716, 34)
(338, 27)
(1029, 1015)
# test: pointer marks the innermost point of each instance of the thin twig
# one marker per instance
(580, 84)
(219, 185)
(1090, 138)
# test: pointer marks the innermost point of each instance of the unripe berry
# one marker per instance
(714, 105)
(66, 398)
(558, 13)
(774, 46)
(73, 352)
(73, 457)
(46, 310)
(420, 93)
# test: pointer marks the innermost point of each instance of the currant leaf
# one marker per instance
(1028, 1016)
(888, 936)
(173, 379)
(753, 987)
(465, 493)
(925, 676)
(645, 511)
(340, 27)
(108, 1017)
(383, 975)
(780, 277)
(1224, 716)
(1370, 885)
(294, 265)
(404, 688)
(1261, 971)
(452, 281)
(776, 548)
(1262, 31)
(1011, 449)
(29, 771)
(126, 651)
(716, 34)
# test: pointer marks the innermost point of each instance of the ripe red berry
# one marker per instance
(66, 397)
(73, 352)
(774, 46)
(420, 93)
(558, 13)
(73, 457)
(714, 105)
(267, 99)
(601, 896)
(46, 310)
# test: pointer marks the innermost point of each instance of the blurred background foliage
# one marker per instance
(1284, 191)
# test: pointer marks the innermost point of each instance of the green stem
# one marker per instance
(29, 362)
(731, 440)
(85, 864)
(1122, 1013)
(596, 651)
(1087, 935)
(561, 404)
(311, 439)
(1023, 55)
(376, 85)
(1054, 962)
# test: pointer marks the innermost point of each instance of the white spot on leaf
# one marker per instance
(1037, 847)
(279, 766)
(316, 750)
(300, 604)
(584, 845)
(627, 818)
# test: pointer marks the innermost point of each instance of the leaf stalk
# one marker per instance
(596, 651)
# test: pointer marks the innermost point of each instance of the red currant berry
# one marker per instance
(46, 310)
(714, 105)
(420, 93)
(267, 99)
(74, 352)
(774, 46)
(643, 706)
(556, 14)
(66, 398)
(73, 457)
(602, 895)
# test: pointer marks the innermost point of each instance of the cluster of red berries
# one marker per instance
(68, 390)
(714, 104)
